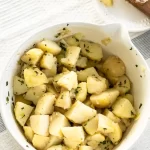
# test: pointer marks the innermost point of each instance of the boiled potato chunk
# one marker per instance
(123, 108)
(78, 108)
(130, 98)
(89, 103)
(91, 126)
(22, 112)
(19, 85)
(64, 100)
(40, 142)
(82, 62)
(84, 74)
(96, 85)
(54, 140)
(32, 56)
(91, 50)
(114, 66)
(34, 77)
(68, 80)
(34, 93)
(49, 46)
(72, 55)
(47, 61)
(65, 69)
(105, 99)
(123, 85)
(57, 121)
(115, 136)
(94, 140)
(40, 124)
(105, 125)
(74, 133)
(81, 91)
(111, 116)
(28, 132)
(45, 105)
(85, 147)
(71, 144)
(107, 2)
(51, 89)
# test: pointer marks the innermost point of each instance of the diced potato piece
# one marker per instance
(78, 108)
(123, 108)
(50, 80)
(22, 112)
(111, 116)
(96, 85)
(54, 140)
(28, 132)
(51, 89)
(64, 100)
(105, 99)
(81, 91)
(72, 55)
(91, 125)
(71, 144)
(32, 56)
(19, 98)
(68, 81)
(85, 147)
(107, 2)
(105, 125)
(57, 147)
(115, 136)
(91, 50)
(49, 46)
(34, 93)
(45, 105)
(114, 66)
(60, 110)
(19, 86)
(106, 145)
(47, 61)
(40, 142)
(130, 98)
(84, 74)
(34, 77)
(94, 140)
(28, 121)
(50, 72)
(40, 124)
(82, 62)
(123, 85)
(55, 80)
(74, 133)
(24, 66)
(57, 121)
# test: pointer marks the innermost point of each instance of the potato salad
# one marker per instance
(68, 97)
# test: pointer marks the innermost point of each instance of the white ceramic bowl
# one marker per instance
(120, 45)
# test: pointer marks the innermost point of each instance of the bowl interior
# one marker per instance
(120, 45)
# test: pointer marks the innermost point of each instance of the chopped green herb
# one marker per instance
(141, 76)
(125, 81)
(87, 50)
(8, 93)
(7, 100)
(22, 82)
(136, 65)
(12, 99)
(45, 45)
(34, 45)
(132, 113)
(62, 97)
(27, 146)
(22, 108)
(84, 45)
(23, 116)
(29, 59)
(67, 24)
(105, 128)
(64, 28)
(33, 93)
(57, 35)
(6, 83)
(36, 72)
(62, 45)
(140, 106)
(131, 48)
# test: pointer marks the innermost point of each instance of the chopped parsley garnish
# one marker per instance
(7, 100)
(62, 45)
(132, 113)
(141, 76)
(67, 24)
(27, 146)
(140, 106)
(23, 116)
(125, 81)
(64, 28)
(136, 65)
(6, 83)
(22, 82)
(36, 72)
(105, 128)
(57, 35)
(29, 59)
(8, 93)
(87, 50)
(22, 108)
(131, 48)
(62, 97)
